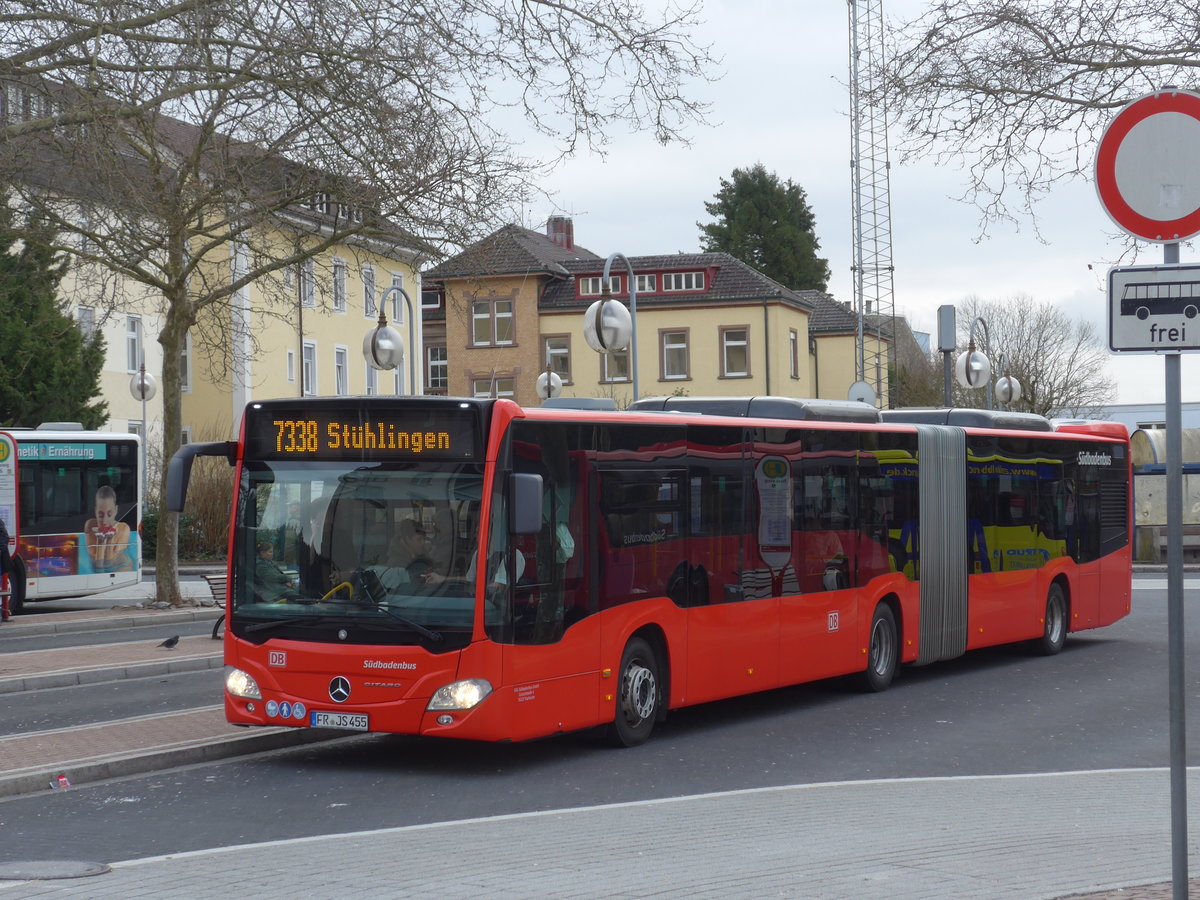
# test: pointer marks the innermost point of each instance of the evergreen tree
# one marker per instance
(767, 223)
(49, 371)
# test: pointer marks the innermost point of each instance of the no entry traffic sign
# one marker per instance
(1148, 167)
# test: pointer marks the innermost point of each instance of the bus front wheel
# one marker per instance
(883, 654)
(639, 695)
(1054, 625)
(16, 584)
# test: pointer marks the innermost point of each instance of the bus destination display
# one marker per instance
(283, 433)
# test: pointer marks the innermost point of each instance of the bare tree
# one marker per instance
(1020, 92)
(197, 149)
(1059, 363)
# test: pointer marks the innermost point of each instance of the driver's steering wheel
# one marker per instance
(345, 584)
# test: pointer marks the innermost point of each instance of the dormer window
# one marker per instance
(592, 286)
(683, 281)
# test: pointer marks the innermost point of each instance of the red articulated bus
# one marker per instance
(593, 567)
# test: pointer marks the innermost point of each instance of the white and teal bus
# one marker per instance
(71, 501)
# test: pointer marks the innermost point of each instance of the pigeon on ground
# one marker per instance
(170, 642)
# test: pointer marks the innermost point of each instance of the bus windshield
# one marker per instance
(358, 552)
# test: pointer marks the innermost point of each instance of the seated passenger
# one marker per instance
(270, 581)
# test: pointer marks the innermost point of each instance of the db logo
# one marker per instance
(277, 658)
(833, 621)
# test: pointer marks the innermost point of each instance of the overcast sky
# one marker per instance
(783, 102)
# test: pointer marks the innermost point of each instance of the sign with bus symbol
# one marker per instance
(1153, 309)
(1161, 299)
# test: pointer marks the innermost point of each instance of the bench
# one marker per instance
(217, 585)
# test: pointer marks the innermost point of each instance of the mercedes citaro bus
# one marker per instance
(592, 567)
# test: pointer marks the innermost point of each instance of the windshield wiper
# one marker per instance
(279, 623)
(427, 633)
(367, 604)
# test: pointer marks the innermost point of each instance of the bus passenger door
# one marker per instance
(552, 652)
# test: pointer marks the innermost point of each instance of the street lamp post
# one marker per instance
(608, 328)
(383, 347)
(973, 369)
(1008, 389)
(142, 386)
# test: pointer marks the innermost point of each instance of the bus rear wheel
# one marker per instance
(883, 650)
(16, 584)
(639, 695)
(1054, 627)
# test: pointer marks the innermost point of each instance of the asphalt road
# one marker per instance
(1101, 704)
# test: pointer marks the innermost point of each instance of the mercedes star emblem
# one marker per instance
(339, 689)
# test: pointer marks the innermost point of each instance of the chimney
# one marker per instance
(561, 230)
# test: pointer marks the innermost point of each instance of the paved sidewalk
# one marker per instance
(993, 838)
(33, 762)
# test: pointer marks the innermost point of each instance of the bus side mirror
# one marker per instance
(179, 472)
(524, 503)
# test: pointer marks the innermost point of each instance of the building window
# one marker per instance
(794, 352)
(556, 352)
(372, 381)
(291, 366)
(318, 202)
(431, 298)
(86, 317)
(133, 342)
(308, 369)
(735, 352)
(614, 366)
(500, 386)
(370, 307)
(185, 365)
(674, 354)
(491, 322)
(683, 281)
(339, 285)
(647, 284)
(437, 369)
(308, 284)
(398, 304)
(341, 374)
(591, 286)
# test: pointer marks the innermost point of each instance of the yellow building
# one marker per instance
(299, 332)
(291, 331)
(296, 332)
(707, 324)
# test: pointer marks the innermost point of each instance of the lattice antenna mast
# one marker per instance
(872, 216)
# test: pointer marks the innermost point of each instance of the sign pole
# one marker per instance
(1175, 636)
(1147, 181)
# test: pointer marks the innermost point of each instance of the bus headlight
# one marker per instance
(240, 684)
(460, 695)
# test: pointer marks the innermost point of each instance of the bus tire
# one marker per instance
(16, 584)
(883, 650)
(1054, 623)
(639, 695)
